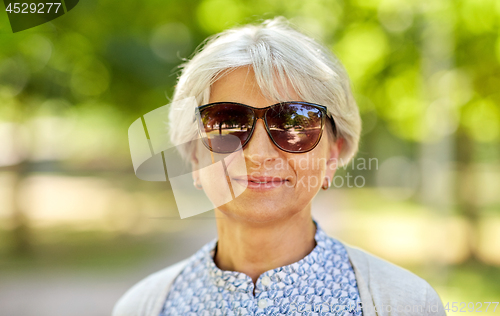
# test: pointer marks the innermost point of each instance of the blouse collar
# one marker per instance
(321, 255)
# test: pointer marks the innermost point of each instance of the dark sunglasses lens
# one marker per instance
(295, 127)
(224, 124)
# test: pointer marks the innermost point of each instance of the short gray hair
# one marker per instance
(280, 56)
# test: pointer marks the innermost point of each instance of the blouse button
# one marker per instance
(266, 281)
(262, 304)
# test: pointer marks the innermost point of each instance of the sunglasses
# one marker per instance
(294, 127)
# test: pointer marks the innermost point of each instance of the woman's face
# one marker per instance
(271, 184)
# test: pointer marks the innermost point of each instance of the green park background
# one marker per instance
(76, 222)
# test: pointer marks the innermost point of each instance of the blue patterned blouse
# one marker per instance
(322, 283)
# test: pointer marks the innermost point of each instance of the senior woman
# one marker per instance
(287, 101)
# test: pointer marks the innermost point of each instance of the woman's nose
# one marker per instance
(260, 146)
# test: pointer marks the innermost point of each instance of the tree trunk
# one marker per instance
(21, 241)
(467, 189)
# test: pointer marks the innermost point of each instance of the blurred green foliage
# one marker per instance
(396, 52)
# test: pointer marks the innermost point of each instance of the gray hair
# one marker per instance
(280, 56)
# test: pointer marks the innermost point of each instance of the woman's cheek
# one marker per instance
(215, 185)
(309, 174)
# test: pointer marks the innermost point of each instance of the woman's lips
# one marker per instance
(261, 183)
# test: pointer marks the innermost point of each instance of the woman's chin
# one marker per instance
(258, 211)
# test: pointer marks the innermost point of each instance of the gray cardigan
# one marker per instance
(385, 289)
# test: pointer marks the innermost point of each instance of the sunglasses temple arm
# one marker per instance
(228, 180)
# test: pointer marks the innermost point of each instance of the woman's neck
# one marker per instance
(253, 248)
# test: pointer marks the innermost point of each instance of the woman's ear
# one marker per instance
(196, 172)
(333, 157)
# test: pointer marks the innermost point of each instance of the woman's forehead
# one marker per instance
(242, 85)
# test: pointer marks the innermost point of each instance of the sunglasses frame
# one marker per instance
(260, 113)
